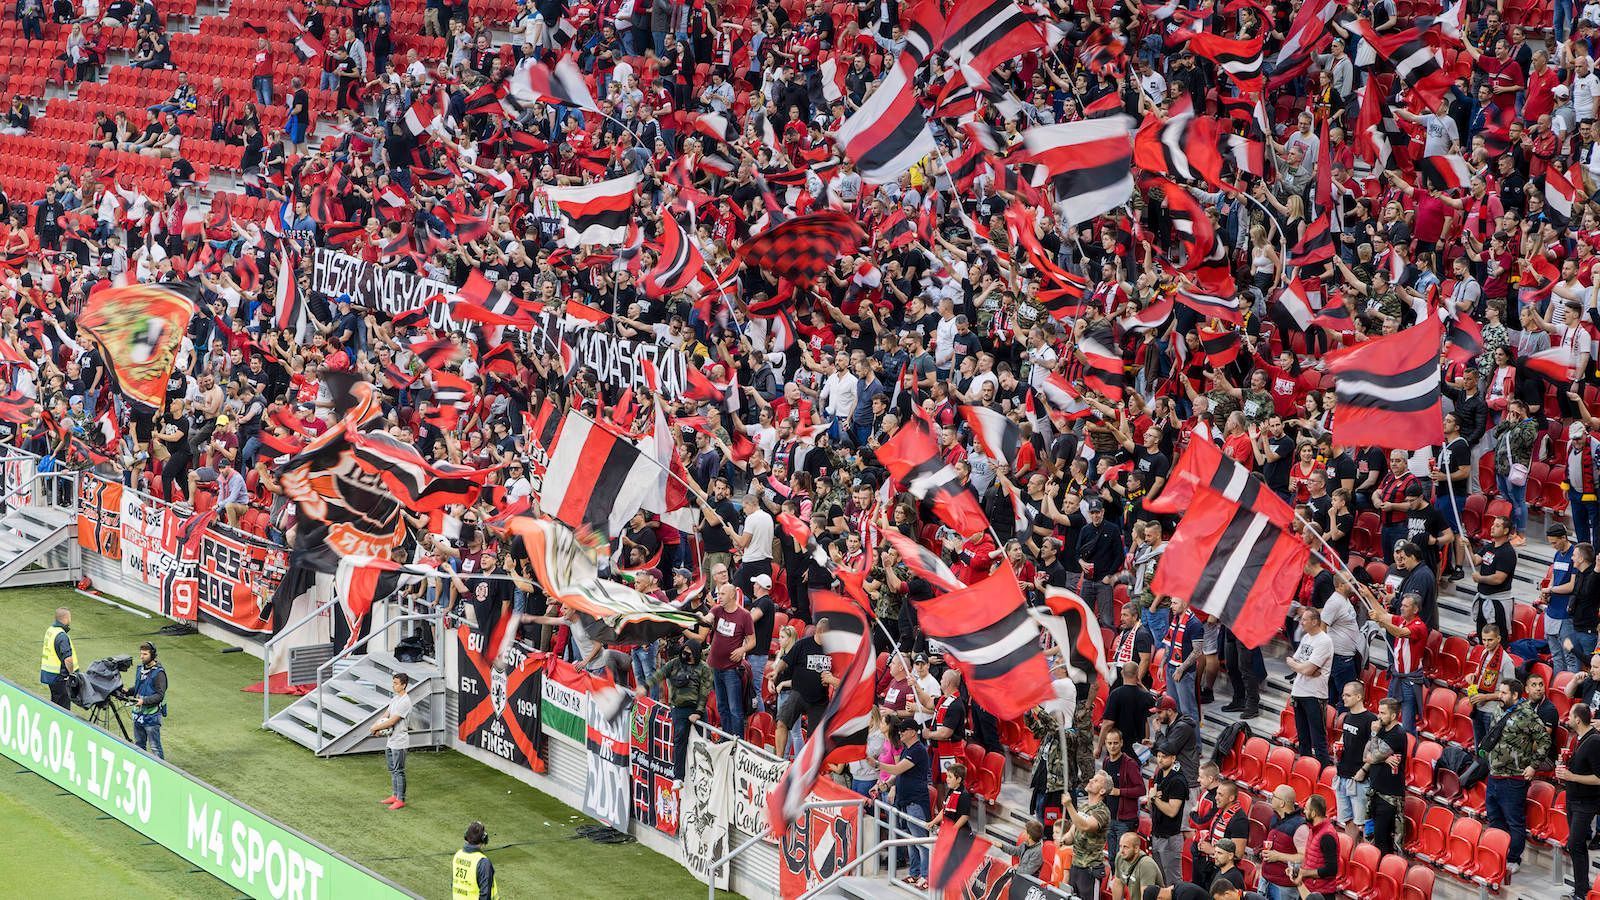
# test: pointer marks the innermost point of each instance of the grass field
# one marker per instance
(214, 732)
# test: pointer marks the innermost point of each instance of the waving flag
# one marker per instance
(138, 328)
(889, 133)
(981, 34)
(1388, 390)
(679, 264)
(533, 82)
(1240, 58)
(840, 733)
(912, 457)
(595, 477)
(598, 213)
(1184, 147)
(999, 437)
(993, 641)
(802, 248)
(1102, 363)
(1076, 631)
(1090, 164)
(925, 563)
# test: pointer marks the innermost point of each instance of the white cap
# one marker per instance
(763, 580)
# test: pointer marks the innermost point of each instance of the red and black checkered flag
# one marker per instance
(802, 248)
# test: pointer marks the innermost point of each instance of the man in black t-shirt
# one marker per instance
(1497, 563)
(809, 670)
(1169, 792)
(1350, 796)
(1581, 775)
(761, 611)
(1384, 769)
(1128, 708)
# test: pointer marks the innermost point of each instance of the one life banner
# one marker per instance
(616, 362)
(500, 706)
(608, 794)
(248, 851)
(655, 802)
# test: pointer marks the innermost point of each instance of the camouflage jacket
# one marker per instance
(1524, 741)
(1047, 731)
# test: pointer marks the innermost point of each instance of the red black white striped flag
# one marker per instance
(678, 265)
(534, 82)
(1224, 308)
(1220, 347)
(1296, 303)
(1089, 164)
(889, 133)
(990, 638)
(1315, 244)
(595, 477)
(1183, 147)
(419, 484)
(1240, 58)
(840, 733)
(997, 435)
(1463, 339)
(957, 854)
(1388, 390)
(1155, 315)
(912, 456)
(922, 561)
(981, 34)
(1335, 316)
(1102, 363)
(596, 213)
(1075, 629)
(1446, 172)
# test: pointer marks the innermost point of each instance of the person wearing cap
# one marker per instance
(911, 772)
(1225, 855)
(925, 690)
(1180, 734)
(1166, 798)
(762, 614)
(1416, 577)
(1100, 552)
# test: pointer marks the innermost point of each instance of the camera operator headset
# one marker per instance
(149, 701)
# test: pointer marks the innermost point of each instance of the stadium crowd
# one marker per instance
(1140, 782)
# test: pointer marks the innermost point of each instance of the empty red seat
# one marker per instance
(1461, 847)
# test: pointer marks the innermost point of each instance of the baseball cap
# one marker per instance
(763, 580)
(919, 658)
(1097, 505)
(1166, 703)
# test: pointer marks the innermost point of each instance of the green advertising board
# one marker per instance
(239, 846)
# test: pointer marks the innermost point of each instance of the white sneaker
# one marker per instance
(1512, 867)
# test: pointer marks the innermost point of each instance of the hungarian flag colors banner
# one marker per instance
(138, 329)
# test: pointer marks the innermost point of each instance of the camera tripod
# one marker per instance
(104, 713)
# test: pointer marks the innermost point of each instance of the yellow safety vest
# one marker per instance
(49, 662)
(464, 876)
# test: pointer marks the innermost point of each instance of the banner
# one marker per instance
(150, 545)
(100, 516)
(608, 795)
(820, 842)
(138, 328)
(377, 287)
(616, 362)
(704, 808)
(564, 704)
(235, 577)
(655, 802)
(255, 855)
(18, 474)
(499, 707)
(755, 775)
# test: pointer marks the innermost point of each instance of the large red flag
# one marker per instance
(990, 638)
(912, 457)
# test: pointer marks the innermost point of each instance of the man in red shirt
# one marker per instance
(732, 635)
(1505, 77)
(1542, 80)
(1410, 641)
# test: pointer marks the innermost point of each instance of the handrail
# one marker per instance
(388, 623)
(726, 858)
(861, 859)
(267, 654)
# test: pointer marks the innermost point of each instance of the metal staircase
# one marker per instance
(38, 545)
(337, 717)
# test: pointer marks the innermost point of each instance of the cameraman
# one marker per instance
(149, 701)
(58, 664)
(689, 686)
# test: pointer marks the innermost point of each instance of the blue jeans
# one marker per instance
(1564, 10)
(1156, 621)
(919, 855)
(149, 734)
(1560, 659)
(758, 673)
(1410, 702)
(1448, 510)
(1274, 892)
(1585, 516)
(397, 772)
(730, 700)
(644, 665)
(1182, 691)
(1517, 495)
(1584, 643)
(262, 85)
(1342, 672)
(1507, 808)
(862, 785)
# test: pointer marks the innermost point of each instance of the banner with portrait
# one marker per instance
(704, 808)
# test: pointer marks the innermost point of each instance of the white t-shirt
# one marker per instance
(931, 690)
(400, 735)
(1316, 649)
(759, 526)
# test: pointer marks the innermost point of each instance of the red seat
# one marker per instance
(1489, 860)
(1415, 809)
(1461, 847)
(1461, 723)
(1252, 761)
(1524, 618)
(994, 773)
(1390, 875)
(1303, 776)
(1541, 797)
(1437, 711)
(1452, 653)
(1356, 879)
(1421, 765)
(1366, 538)
(1287, 735)
(1280, 760)
(1418, 884)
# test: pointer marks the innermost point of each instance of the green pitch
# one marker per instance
(64, 848)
